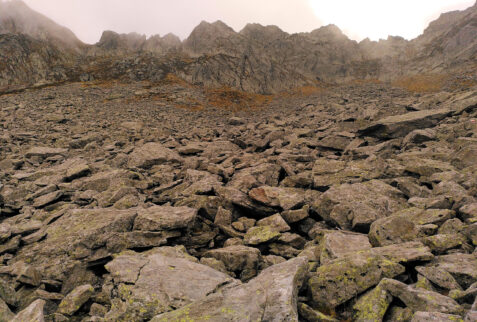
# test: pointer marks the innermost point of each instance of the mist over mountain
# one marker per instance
(261, 59)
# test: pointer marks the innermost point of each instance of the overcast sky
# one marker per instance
(357, 18)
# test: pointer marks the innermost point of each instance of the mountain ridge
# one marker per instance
(260, 59)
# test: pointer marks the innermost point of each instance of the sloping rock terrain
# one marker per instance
(149, 179)
(258, 59)
(357, 202)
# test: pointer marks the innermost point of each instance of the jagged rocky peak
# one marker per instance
(329, 32)
(442, 24)
(262, 33)
(158, 44)
(383, 47)
(206, 36)
(113, 41)
(17, 18)
(217, 29)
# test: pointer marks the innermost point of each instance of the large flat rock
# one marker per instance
(271, 296)
(151, 154)
(157, 281)
(400, 125)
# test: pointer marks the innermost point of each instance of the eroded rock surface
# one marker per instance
(117, 205)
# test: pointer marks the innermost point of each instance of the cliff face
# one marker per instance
(27, 61)
(261, 59)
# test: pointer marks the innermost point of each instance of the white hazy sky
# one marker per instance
(357, 18)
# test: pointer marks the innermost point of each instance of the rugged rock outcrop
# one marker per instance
(257, 59)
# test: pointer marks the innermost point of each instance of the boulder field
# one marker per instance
(358, 202)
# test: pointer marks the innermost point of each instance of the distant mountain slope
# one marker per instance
(261, 59)
(17, 18)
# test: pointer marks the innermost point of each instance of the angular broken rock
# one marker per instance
(47, 199)
(372, 305)
(5, 313)
(439, 276)
(75, 299)
(45, 152)
(34, 312)
(358, 205)
(73, 235)
(260, 234)
(394, 229)
(309, 314)
(276, 222)
(77, 171)
(400, 125)
(435, 316)
(342, 279)
(151, 154)
(238, 259)
(271, 296)
(285, 198)
(157, 218)
(463, 267)
(151, 283)
(404, 253)
(421, 300)
(337, 244)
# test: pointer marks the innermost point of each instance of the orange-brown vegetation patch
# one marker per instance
(422, 83)
(234, 100)
(365, 81)
(437, 82)
(172, 79)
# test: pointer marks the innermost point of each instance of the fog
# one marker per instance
(358, 19)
